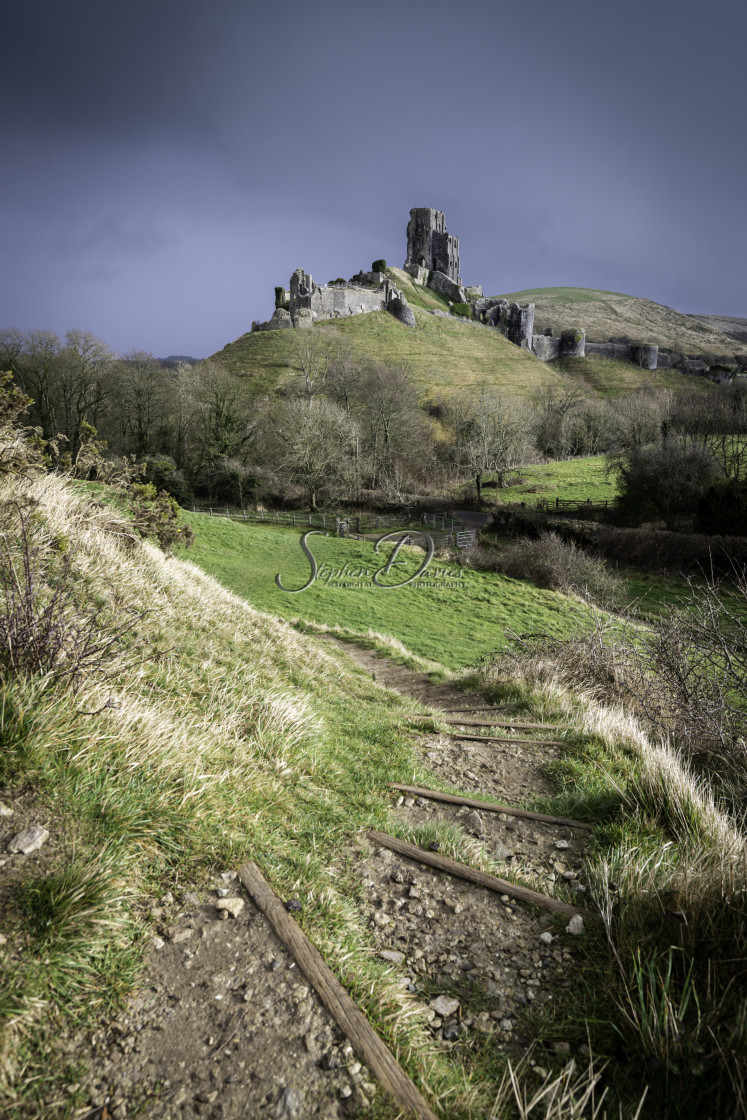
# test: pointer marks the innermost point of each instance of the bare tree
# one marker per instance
(315, 444)
(495, 436)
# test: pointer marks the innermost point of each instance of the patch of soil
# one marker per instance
(226, 1027)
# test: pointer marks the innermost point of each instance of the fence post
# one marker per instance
(211, 511)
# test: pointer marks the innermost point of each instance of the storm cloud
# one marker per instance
(167, 163)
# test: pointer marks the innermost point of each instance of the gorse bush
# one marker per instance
(561, 565)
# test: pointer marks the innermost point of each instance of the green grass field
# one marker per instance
(570, 480)
(454, 624)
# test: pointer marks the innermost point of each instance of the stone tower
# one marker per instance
(430, 246)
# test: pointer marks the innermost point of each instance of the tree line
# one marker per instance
(342, 428)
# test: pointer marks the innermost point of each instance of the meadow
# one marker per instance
(567, 479)
(455, 624)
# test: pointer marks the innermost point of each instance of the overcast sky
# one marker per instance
(167, 162)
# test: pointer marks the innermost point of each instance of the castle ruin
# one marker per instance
(433, 262)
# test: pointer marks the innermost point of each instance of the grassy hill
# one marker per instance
(441, 354)
(607, 315)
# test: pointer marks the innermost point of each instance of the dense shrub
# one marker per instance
(163, 474)
(463, 309)
(663, 480)
(722, 508)
(378, 266)
(561, 565)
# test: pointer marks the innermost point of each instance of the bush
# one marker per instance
(549, 561)
(164, 476)
(663, 480)
(157, 516)
(378, 266)
(463, 309)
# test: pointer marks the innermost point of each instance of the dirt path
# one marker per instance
(455, 940)
(224, 1027)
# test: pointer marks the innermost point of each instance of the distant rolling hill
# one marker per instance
(606, 315)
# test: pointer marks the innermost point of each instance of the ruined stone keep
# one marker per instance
(429, 246)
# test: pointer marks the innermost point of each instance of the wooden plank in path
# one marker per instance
(503, 723)
(344, 1011)
(514, 742)
(487, 708)
(464, 871)
(454, 799)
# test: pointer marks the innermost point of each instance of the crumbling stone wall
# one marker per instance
(545, 347)
(307, 301)
(573, 343)
(440, 282)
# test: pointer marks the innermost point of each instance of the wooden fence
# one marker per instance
(444, 531)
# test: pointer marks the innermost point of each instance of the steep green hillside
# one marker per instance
(442, 354)
(607, 315)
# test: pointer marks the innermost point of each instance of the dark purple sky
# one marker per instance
(167, 162)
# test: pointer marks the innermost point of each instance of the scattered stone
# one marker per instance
(5, 810)
(289, 1105)
(547, 937)
(158, 943)
(444, 1006)
(434, 846)
(223, 892)
(30, 840)
(473, 822)
(561, 845)
(576, 925)
(228, 876)
(232, 906)
(191, 898)
(293, 906)
(561, 1047)
(181, 935)
(507, 1024)
(392, 955)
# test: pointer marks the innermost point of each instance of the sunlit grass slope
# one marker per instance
(453, 624)
(442, 354)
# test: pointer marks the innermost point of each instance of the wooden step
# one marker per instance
(348, 1016)
(471, 874)
(496, 739)
(489, 806)
(503, 723)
